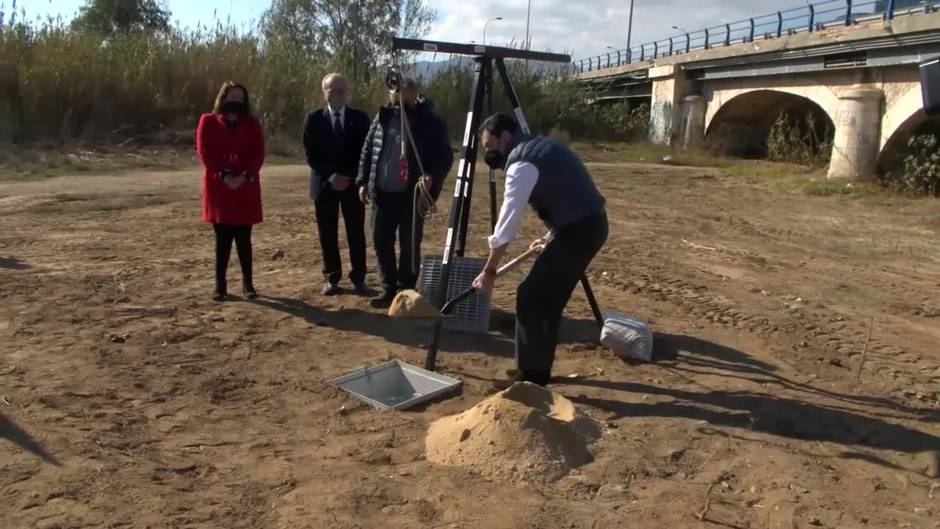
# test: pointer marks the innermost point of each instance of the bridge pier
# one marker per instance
(692, 128)
(670, 86)
(858, 134)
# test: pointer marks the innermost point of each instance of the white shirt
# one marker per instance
(521, 178)
(342, 116)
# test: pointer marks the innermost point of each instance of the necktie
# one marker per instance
(403, 168)
(337, 129)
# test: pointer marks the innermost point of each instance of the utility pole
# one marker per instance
(629, 28)
(528, 15)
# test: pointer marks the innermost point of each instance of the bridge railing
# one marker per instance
(812, 17)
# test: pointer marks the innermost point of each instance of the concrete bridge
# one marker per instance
(858, 76)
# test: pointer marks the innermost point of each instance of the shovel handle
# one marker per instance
(449, 306)
(430, 362)
(515, 262)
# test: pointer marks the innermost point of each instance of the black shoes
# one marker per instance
(541, 378)
(383, 300)
(220, 294)
(332, 289)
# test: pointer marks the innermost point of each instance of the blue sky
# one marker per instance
(581, 27)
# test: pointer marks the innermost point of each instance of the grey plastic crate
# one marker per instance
(396, 385)
(471, 315)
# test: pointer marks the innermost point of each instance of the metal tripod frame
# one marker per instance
(487, 59)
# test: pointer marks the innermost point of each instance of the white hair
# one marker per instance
(330, 77)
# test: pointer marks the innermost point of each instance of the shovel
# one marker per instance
(406, 304)
(411, 304)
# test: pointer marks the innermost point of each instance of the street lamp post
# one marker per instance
(487, 24)
(528, 14)
(630, 28)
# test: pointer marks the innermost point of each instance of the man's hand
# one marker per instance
(364, 194)
(484, 282)
(426, 182)
(538, 243)
(233, 182)
(340, 182)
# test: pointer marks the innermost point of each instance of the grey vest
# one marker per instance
(565, 192)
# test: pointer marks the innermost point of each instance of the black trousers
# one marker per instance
(543, 294)
(224, 235)
(391, 216)
(327, 206)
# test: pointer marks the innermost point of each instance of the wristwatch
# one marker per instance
(490, 271)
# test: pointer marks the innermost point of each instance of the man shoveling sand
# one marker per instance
(552, 179)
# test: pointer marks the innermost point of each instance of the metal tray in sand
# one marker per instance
(396, 385)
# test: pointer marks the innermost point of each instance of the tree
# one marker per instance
(357, 33)
(108, 17)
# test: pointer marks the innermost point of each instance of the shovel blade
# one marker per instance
(411, 304)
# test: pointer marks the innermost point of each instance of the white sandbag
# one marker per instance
(627, 337)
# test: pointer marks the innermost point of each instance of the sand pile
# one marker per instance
(526, 432)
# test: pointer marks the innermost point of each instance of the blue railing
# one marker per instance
(809, 18)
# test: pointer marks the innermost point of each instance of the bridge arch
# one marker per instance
(739, 122)
(902, 120)
(903, 117)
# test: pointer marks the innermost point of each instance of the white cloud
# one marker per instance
(586, 27)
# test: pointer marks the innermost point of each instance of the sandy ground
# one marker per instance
(165, 409)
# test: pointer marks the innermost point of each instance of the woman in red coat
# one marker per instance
(230, 143)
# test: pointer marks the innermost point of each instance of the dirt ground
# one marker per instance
(763, 409)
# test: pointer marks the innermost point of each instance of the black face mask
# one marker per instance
(494, 158)
(233, 107)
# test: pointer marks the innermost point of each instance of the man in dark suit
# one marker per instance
(333, 138)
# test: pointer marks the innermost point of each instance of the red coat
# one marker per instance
(237, 149)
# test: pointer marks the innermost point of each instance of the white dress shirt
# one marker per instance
(521, 178)
(342, 116)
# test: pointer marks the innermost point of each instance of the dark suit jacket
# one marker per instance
(322, 155)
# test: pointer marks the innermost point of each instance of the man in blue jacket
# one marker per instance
(333, 138)
(388, 179)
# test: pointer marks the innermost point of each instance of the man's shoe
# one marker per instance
(330, 289)
(383, 300)
(219, 296)
(541, 378)
(250, 292)
(362, 289)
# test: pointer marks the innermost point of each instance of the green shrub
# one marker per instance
(921, 167)
(59, 84)
(791, 141)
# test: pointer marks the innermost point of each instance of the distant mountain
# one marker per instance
(428, 70)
